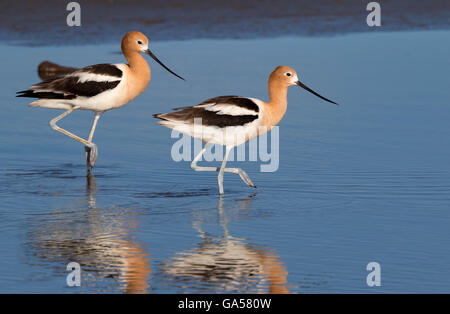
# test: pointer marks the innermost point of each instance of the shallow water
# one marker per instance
(366, 181)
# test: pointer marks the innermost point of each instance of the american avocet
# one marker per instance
(233, 120)
(98, 88)
(48, 70)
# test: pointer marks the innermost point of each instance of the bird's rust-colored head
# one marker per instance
(135, 42)
(285, 76)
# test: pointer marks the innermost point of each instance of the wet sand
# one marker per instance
(44, 22)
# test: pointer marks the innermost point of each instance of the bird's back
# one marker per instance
(227, 120)
(75, 88)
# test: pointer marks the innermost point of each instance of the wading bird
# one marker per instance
(233, 120)
(98, 88)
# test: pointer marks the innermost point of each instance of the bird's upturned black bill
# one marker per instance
(313, 92)
(162, 64)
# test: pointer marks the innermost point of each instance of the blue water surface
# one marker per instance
(366, 181)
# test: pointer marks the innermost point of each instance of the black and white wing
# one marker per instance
(222, 111)
(87, 82)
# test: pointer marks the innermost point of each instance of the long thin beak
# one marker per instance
(162, 64)
(313, 92)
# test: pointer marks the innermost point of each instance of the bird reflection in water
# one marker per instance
(226, 263)
(100, 240)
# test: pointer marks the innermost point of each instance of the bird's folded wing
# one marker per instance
(86, 82)
(220, 111)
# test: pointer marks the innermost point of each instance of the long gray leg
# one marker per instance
(222, 169)
(94, 125)
(65, 132)
(92, 150)
(197, 158)
(244, 176)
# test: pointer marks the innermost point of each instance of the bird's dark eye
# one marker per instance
(288, 74)
(139, 42)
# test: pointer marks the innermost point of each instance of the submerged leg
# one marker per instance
(91, 150)
(222, 169)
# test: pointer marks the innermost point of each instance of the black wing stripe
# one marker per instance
(44, 95)
(238, 101)
(68, 88)
(103, 69)
(208, 118)
(233, 100)
(70, 85)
